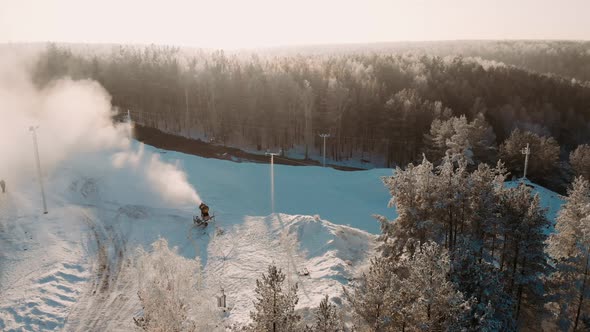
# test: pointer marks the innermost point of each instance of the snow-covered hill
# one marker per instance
(71, 268)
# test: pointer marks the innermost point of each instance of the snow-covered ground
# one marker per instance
(71, 269)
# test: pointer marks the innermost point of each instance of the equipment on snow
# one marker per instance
(200, 221)
(205, 217)
(204, 210)
(304, 272)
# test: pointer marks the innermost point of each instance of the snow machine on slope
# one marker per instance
(203, 221)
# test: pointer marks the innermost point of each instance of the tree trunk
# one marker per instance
(581, 300)
(514, 265)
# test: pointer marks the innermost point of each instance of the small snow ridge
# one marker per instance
(44, 305)
(133, 211)
(87, 187)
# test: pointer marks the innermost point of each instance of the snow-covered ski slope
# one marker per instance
(72, 268)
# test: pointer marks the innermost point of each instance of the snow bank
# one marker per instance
(318, 255)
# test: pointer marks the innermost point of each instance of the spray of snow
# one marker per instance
(74, 117)
(167, 179)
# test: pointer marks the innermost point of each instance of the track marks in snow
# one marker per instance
(44, 303)
(106, 303)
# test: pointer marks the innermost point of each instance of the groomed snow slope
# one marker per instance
(71, 269)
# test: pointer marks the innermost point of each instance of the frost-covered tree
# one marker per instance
(523, 259)
(491, 308)
(442, 204)
(542, 160)
(436, 140)
(274, 307)
(570, 247)
(410, 293)
(438, 306)
(327, 319)
(370, 298)
(580, 160)
(171, 293)
(483, 138)
(473, 214)
(473, 141)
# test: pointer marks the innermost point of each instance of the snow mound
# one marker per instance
(318, 255)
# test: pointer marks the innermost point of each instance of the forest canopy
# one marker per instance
(376, 101)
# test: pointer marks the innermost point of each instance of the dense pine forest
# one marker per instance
(384, 105)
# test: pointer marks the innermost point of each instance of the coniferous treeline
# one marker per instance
(570, 59)
(376, 106)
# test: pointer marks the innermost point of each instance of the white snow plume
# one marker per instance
(168, 180)
(72, 116)
(74, 119)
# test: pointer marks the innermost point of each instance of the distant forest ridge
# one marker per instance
(567, 58)
(377, 101)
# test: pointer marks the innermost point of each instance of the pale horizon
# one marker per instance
(267, 23)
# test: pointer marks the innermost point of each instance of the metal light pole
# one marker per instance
(324, 136)
(526, 151)
(272, 179)
(39, 173)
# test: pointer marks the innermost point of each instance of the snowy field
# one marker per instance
(71, 269)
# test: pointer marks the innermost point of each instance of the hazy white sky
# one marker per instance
(253, 23)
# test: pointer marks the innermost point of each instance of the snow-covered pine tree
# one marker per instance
(580, 161)
(327, 319)
(483, 139)
(442, 205)
(369, 297)
(170, 293)
(570, 247)
(436, 140)
(274, 306)
(410, 292)
(412, 194)
(485, 184)
(542, 160)
(523, 258)
(450, 208)
(438, 306)
(491, 308)
(473, 141)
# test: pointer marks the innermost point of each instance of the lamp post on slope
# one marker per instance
(272, 179)
(324, 136)
(39, 173)
(526, 151)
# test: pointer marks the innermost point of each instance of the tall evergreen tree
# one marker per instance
(327, 317)
(580, 160)
(542, 160)
(570, 247)
(274, 307)
(523, 258)
(438, 306)
(370, 297)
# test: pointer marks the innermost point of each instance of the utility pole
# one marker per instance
(186, 116)
(39, 173)
(526, 151)
(324, 136)
(272, 179)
